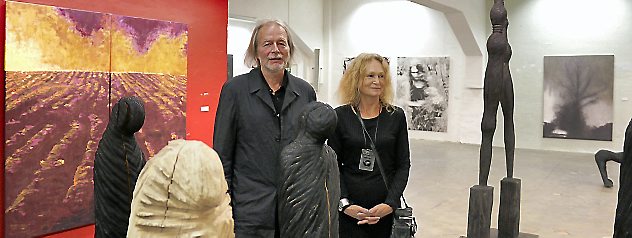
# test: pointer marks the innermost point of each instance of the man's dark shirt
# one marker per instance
(279, 95)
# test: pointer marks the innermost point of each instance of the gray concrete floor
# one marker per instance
(562, 193)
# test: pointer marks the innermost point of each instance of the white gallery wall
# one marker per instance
(541, 28)
(398, 29)
(304, 17)
(238, 38)
(538, 28)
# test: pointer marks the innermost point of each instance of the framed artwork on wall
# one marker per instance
(61, 78)
(578, 96)
(422, 90)
(229, 66)
(345, 63)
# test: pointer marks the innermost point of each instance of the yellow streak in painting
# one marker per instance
(59, 91)
(54, 153)
(25, 55)
(45, 164)
(56, 105)
(82, 173)
(20, 133)
(20, 83)
(143, 89)
(26, 92)
(40, 39)
(16, 156)
(165, 85)
(20, 198)
(149, 149)
(165, 55)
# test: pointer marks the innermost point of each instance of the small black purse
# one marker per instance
(404, 223)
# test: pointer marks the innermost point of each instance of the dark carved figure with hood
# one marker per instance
(623, 218)
(118, 162)
(310, 184)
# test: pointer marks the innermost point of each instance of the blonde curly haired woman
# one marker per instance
(367, 203)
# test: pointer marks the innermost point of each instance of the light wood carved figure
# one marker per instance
(181, 192)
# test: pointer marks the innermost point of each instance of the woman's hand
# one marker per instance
(381, 210)
(362, 214)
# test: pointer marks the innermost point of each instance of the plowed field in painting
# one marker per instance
(165, 106)
(53, 123)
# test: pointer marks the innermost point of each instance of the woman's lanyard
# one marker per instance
(377, 156)
(366, 133)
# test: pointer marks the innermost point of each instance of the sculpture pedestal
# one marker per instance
(480, 211)
(509, 211)
(494, 234)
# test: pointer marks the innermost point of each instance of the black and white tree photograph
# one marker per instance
(421, 89)
(578, 96)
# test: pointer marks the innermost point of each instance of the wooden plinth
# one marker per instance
(480, 211)
(509, 211)
(494, 234)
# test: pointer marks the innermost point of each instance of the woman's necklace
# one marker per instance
(374, 139)
(371, 114)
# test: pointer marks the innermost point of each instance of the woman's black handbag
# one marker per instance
(404, 223)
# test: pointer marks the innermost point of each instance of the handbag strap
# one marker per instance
(377, 157)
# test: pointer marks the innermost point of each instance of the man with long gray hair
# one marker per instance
(255, 119)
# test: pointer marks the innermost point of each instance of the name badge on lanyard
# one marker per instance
(367, 160)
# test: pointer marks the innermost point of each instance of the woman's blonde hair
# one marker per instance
(351, 81)
(250, 58)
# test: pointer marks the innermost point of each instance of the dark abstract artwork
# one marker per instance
(578, 95)
(422, 91)
(62, 77)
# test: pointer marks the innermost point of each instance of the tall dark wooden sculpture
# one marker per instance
(497, 90)
(310, 190)
(623, 218)
(118, 162)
